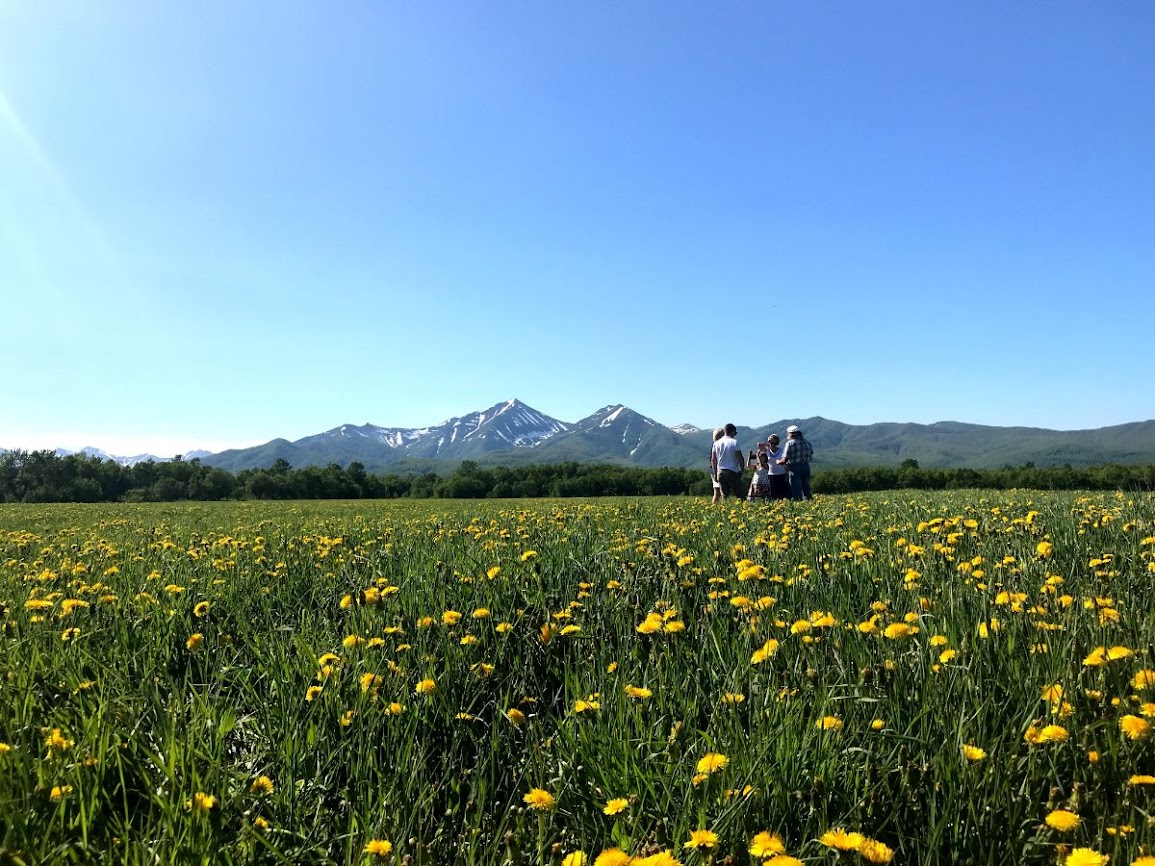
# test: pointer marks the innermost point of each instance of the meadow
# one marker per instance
(909, 678)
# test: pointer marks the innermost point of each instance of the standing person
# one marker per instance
(760, 483)
(796, 457)
(728, 461)
(779, 483)
(718, 431)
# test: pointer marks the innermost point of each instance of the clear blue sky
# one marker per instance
(225, 222)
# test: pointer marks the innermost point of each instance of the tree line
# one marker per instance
(44, 476)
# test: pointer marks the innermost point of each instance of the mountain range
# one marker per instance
(512, 433)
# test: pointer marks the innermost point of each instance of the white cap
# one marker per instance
(793, 428)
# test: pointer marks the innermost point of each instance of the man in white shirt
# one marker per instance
(728, 461)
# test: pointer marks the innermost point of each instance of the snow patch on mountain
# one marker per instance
(684, 429)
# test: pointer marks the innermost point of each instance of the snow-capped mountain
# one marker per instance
(684, 429)
(129, 461)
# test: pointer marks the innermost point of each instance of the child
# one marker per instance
(760, 483)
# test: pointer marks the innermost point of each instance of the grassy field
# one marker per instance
(911, 678)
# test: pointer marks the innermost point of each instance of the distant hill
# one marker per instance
(512, 433)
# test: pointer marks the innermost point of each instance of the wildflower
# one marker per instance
(1135, 727)
(840, 840)
(1144, 679)
(201, 609)
(261, 785)
(1044, 549)
(873, 851)
(586, 706)
(1141, 779)
(539, 799)
(371, 682)
(1048, 734)
(515, 715)
(59, 792)
(195, 641)
(898, 631)
(877, 724)
(426, 687)
(312, 693)
(5, 748)
(638, 692)
(712, 762)
(829, 723)
(503, 627)
(378, 848)
(57, 742)
(1062, 820)
(767, 649)
(395, 709)
(783, 860)
(70, 634)
(702, 839)
(616, 805)
(946, 656)
(201, 802)
(766, 844)
(1086, 857)
(575, 858)
(973, 753)
(1116, 653)
(450, 617)
(528, 555)
(613, 857)
(732, 698)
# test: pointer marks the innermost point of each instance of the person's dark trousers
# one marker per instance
(780, 486)
(731, 482)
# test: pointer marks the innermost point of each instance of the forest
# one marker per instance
(44, 476)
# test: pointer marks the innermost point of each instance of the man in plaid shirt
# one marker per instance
(796, 457)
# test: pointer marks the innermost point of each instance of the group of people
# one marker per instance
(779, 472)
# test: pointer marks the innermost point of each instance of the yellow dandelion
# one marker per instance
(873, 851)
(574, 858)
(702, 839)
(426, 687)
(59, 792)
(515, 715)
(378, 848)
(766, 844)
(840, 840)
(973, 753)
(201, 609)
(261, 785)
(1144, 679)
(829, 723)
(195, 641)
(613, 857)
(201, 802)
(1135, 727)
(616, 805)
(639, 693)
(539, 799)
(1062, 820)
(712, 762)
(1086, 857)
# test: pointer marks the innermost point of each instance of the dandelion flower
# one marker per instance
(1086, 857)
(515, 715)
(195, 641)
(613, 857)
(973, 753)
(575, 858)
(783, 860)
(539, 799)
(616, 805)
(840, 840)
(1144, 679)
(201, 802)
(767, 844)
(312, 693)
(873, 851)
(426, 687)
(898, 631)
(702, 839)
(764, 652)
(1134, 727)
(201, 609)
(378, 847)
(59, 792)
(712, 762)
(829, 723)
(261, 785)
(1062, 820)
(638, 692)
(1141, 779)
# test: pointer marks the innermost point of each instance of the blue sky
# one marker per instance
(225, 222)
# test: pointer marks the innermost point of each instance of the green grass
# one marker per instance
(150, 723)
